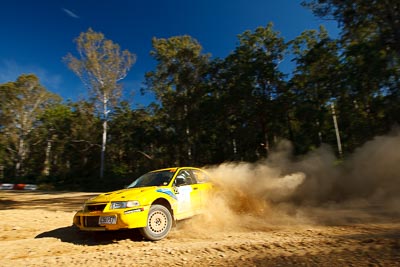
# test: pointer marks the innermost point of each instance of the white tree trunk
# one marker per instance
(104, 141)
(46, 169)
(234, 146)
(20, 158)
(103, 148)
(335, 123)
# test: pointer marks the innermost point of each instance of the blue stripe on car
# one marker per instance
(168, 192)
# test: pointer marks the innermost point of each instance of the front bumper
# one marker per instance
(126, 219)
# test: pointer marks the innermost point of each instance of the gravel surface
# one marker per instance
(35, 230)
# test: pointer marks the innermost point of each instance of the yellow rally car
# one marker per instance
(151, 203)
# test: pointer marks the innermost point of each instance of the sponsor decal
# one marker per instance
(167, 191)
(134, 210)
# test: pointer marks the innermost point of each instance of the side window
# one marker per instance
(200, 176)
(185, 174)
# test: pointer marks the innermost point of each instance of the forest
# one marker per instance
(341, 92)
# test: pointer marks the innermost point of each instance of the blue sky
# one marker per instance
(36, 35)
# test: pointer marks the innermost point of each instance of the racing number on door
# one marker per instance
(189, 197)
(184, 200)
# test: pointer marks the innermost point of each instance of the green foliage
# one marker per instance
(249, 90)
(177, 83)
(208, 110)
(101, 66)
(370, 40)
(22, 104)
(316, 82)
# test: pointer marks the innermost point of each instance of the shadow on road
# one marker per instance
(71, 234)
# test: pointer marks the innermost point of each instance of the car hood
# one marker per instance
(122, 195)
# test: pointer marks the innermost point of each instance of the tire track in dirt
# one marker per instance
(38, 236)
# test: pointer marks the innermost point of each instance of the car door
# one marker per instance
(195, 194)
(188, 196)
(203, 187)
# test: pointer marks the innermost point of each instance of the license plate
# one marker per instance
(107, 220)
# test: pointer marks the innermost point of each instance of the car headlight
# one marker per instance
(124, 204)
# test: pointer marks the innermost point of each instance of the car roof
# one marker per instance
(173, 169)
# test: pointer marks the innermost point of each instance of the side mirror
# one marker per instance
(180, 181)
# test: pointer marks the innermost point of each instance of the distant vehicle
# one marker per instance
(6, 186)
(18, 187)
(152, 203)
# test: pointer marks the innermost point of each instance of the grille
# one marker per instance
(91, 221)
(99, 207)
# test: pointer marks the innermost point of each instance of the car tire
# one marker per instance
(159, 223)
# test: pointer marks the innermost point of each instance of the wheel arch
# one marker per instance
(165, 203)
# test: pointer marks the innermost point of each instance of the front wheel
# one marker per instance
(159, 223)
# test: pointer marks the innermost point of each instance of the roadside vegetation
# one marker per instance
(340, 91)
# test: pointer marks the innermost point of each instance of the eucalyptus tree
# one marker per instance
(316, 82)
(214, 138)
(363, 21)
(254, 83)
(22, 104)
(370, 35)
(83, 147)
(176, 82)
(101, 66)
(134, 141)
(55, 129)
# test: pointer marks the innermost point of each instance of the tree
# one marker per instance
(22, 104)
(370, 38)
(101, 66)
(83, 147)
(56, 132)
(176, 83)
(252, 84)
(134, 141)
(317, 80)
(363, 20)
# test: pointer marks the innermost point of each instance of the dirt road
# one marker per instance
(35, 230)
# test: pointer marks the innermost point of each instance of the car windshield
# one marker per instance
(159, 178)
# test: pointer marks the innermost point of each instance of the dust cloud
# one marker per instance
(371, 173)
(316, 188)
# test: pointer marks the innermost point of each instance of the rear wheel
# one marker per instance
(159, 223)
